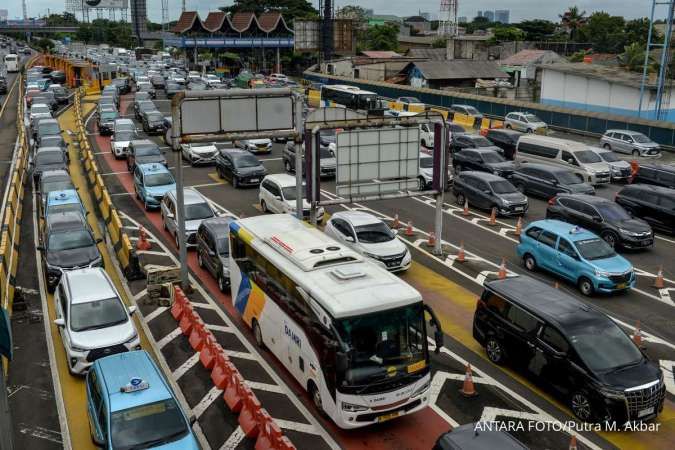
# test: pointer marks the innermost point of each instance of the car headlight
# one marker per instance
(627, 232)
(421, 389)
(370, 255)
(611, 393)
(226, 271)
(505, 202)
(350, 407)
(132, 338)
(75, 348)
(601, 273)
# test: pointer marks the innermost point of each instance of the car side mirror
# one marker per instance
(192, 420)
(349, 239)
(212, 253)
(133, 309)
(60, 322)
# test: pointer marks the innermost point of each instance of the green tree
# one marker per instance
(61, 20)
(537, 29)
(604, 32)
(289, 8)
(382, 37)
(573, 19)
(356, 13)
(507, 34)
(633, 57)
(44, 44)
(441, 42)
(478, 23)
(637, 30)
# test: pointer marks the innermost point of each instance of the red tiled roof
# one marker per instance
(214, 20)
(241, 21)
(185, 21)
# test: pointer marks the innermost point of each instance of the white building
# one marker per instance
(606, 89)
(4, 14)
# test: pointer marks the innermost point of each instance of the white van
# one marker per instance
(572, 155)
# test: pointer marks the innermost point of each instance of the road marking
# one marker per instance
(9, 95)
(140, 295)
(241, 355)
(187, 365)
(218, 183)
(669, 376)
(155, 313)
(223, 328)
(265, 387)
(41, 433)
(205, 402)
(234, 440)
(296, 426)
(169, 337)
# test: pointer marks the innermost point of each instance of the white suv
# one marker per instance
(92, 319)
(278, 194)
(197, 209)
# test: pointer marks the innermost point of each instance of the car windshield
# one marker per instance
(52, 141)
(612, 212)
(641, 138)
(374, 233)
(146, 106)
(110, 115)
(382, 345)
(567, 178)
(325, 153)
(472, 110)
(147, 426)
(587, 157)
(40, 109)
(426, 163)
(492, 157)
(70, 240)
(64, 208)
(245, 161)
(149, 150)
(480, 141)
(46, 128)
(198, 211)
(158, 179)
(595, 248)
(124, 135)
(97, 314)
(532, 118)
(603, 346)
(155, 116)
(56, 185)
(290, 191)
(609, 157)
(48, 158)
(502, 187)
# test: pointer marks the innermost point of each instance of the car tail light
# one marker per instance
(552, 200)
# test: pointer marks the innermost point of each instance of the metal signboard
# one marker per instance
(376, 162)
(331, 114)
(237, 111)
(106, 4)
(307, 35)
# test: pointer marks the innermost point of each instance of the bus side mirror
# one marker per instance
(341, 361)
(438, 332)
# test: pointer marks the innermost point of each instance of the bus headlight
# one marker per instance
(421, 389)
(350, 407)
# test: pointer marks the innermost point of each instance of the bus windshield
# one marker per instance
(383, 344)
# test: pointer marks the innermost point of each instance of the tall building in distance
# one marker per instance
(502, 15)
(479, 14)
(4, 14)
(489, 15)
(462, 19)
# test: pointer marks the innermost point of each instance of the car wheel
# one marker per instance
(136, 192)
(257, 334)
(611, 238)
(636, 153)
(520, 187)
(263, 206)
(222, 285)
(581, 406)
(461, 199)
(529, 262)
(287, 166)
(235, 182)
(586, 286)
(530, 130)
(422, 184)
(316, 398)
(508, 126)
(219, 172)
(495, 351)
(200, 261)
(606, 146)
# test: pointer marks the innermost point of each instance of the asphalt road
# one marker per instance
(451, 288)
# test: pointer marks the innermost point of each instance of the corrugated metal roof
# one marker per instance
(434, 54)
(526, 57)
(380, 54)
(458, 69)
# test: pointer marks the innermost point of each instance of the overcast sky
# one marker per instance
(520, 9)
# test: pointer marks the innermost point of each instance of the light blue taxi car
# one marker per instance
(151, 182)
(575, 254)
(64, 201)
(131, 406)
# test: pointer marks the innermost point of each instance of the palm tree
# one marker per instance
(573, 19)
(633, 57)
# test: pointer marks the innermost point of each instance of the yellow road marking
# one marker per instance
(214, 176)
(9, 95)
(73, 388)
(454, 305)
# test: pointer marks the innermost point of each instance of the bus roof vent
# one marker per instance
(347, 273)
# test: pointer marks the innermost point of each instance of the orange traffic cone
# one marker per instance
(409, 229)
(573, 443)
(431, 241)
(502, 270)
(468, 389)
(396, 224)
(493, 217)
(466, 207)
(637, 335)
(143, 243)
(658, 282)
(519, 226)
(461, 257)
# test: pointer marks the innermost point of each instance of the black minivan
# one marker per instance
(213, 249)
(546, 181)
(654, 204)
(570, 347)
(658, 174)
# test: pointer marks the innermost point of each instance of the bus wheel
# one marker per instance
(257, 334)
(316, 397)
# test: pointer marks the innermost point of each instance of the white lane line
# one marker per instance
(119, 194)
(155, 313)
(668, 376)
(241, 355)
(150, 252)
(187, 365)
(203, 305)
(169, 337)
(234, 440)
(205, 402)
(434, 391)
(208, 185)
(140, 295)
(114, 173)
(223, 328)
(296, 426)
(265, 387)
(264, 160)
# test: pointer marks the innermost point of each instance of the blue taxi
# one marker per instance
(131, 406)
(576, 254)
(64, 201)
(151, 182)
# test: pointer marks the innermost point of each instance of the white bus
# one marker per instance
(351, 97)
(351, 333)
(11, 62)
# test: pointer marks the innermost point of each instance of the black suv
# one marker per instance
(213, 249)
(144, 151)
(462, 141)
(570, 347)
(484, 160)
(546, 181)
(654, 204)
(487, 191)
(505, 139)
(122, 84)
(239, 167)
(326, 159)
(603, 217)
(658, 174)
(153, 122)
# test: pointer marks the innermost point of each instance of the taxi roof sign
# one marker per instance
(135, 384)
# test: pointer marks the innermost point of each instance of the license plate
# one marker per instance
(518, 208)
(254, 180)
(621, 285)
(646, 412)
(390, 416)
(646, 243)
